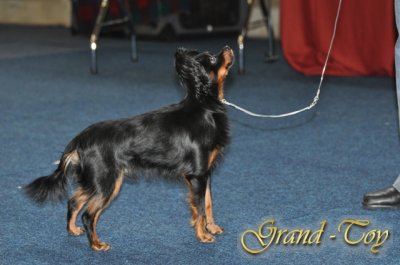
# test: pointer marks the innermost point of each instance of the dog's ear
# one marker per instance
(192, 74)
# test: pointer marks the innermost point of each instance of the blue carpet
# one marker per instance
(298, 171)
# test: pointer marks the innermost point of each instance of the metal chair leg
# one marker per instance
(242, 37)
(95, 34)
(270, 56)
(131, 25)
(134, 54)
(100, 22)
(93, 57)
(240, 42)
(266, 10)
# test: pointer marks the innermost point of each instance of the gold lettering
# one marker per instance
(268, 234)
(290, 237)
(301, 234)
(259, 236)
(379, 241)
(369, 237)
(278, 238)
(317, 234)
(350, 223)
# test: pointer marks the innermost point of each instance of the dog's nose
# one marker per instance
(227, 48)
(228, 51)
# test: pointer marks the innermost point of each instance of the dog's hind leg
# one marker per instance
(95, 207)
(75, 204)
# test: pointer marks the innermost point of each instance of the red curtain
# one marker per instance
(364, 43)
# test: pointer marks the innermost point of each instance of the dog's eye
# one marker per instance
(213, 60)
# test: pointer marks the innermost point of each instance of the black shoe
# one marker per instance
(385, 198)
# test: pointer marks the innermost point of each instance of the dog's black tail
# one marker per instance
(54, 187)
(48, 188)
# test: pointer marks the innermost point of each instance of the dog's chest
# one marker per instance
(216, 130)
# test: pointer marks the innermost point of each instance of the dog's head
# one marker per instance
(203, 74)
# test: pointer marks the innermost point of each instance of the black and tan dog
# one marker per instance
(182, 140)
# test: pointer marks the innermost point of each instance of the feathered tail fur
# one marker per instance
(48, 188)
(53, 187)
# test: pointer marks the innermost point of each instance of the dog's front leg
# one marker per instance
(197, 190)
(210, 225)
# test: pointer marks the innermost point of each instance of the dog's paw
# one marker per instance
(214, 229)
(77, 231)
(206, 238)
(100, 246)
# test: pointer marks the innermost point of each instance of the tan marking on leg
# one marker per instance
(190, 199)
(117, 187)
(197, 221)
(208, 204)
(201, 232)
(212, 156)
(98, 209)
(96, 243)
(95, 206)
(80, 199)
(210, 225)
